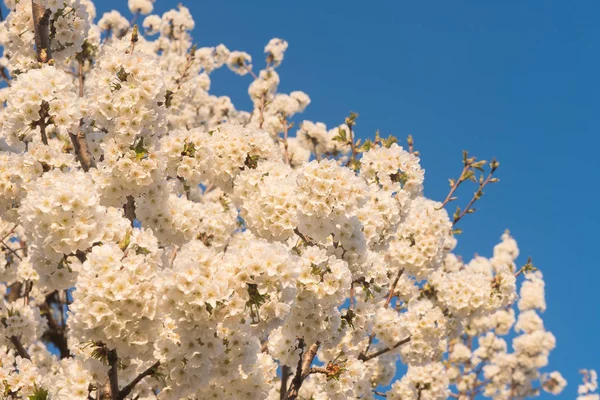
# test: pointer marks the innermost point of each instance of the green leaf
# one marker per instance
(140, 151)
(341, 136)
(390, 141)
(39, 394)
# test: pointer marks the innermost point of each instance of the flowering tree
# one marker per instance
(156, 242)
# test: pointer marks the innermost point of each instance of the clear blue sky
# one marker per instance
(512, 79)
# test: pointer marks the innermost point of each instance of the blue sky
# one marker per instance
(511, 79)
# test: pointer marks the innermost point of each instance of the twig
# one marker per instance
(303, 369)
(286, 128)
(4, 75)
(364, 357)
(306, 239)
(9, 232)
(393, 288)
(455, 184)
(386, 304)
(55, 332)
(19, 347)
(129, 387)
(11, 250)
(476, 196)
(411, 144)
(319, 370)
(350, 122)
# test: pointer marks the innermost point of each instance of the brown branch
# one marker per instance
(19, 347)
(307, 240)
(113, 374)
(455, 185)
(286, 128)
(4, 75)
(476, 196)
(319, 370)
(56, 333)
(364, 357)
(285, 374)
(82, 152)
(393, 288)
(11, 250)
(303, 368)
(80, 146)
(43, 113)
(129, 387)
(129, 209)
(387, 303)
(41, 25)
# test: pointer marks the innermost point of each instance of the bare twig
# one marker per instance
(476, 196)
(129, 387)
(386, 304)
(454, 184)
(286, 128)
(365, 357)
(307, 240)
(19, 347)
(11, 250)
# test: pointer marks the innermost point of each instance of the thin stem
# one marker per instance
(476, 197)
(307, 240)
(19, 347)
(11, 250)
(386, 304)
(455, 186)
(129, 387)
(286, 128)
(364, 357)
(352, 144)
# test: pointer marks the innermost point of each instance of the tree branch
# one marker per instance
(82, 152)
(303, 369)
(113, 374)
(387, 303)
(19, 347)
(365, 357)
(129, 209)
(129, 387)
(55, 333)
(285, 374)
(41, 25)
